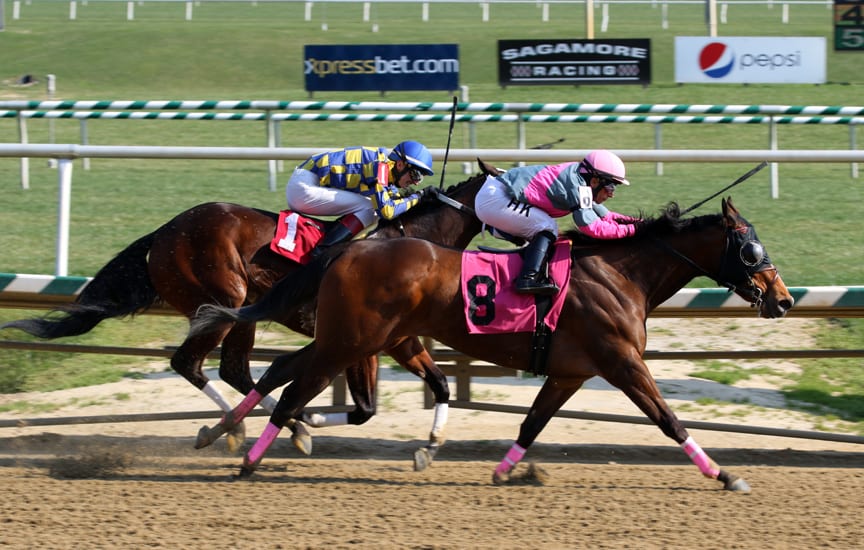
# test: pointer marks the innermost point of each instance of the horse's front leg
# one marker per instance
(411, 354)
(551, 397)
(636, 382)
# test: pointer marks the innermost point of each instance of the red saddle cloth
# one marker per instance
(492, 306)
(296, 235)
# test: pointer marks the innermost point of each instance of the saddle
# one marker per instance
(296, 235)
(492, 306)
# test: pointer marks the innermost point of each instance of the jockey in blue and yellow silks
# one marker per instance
(360, 184)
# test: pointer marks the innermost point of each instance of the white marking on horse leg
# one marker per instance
(268, 404)
(211, 391)
(439, 421)
(320, 420)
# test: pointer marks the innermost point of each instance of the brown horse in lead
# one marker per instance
(613, 287)
(219, 253)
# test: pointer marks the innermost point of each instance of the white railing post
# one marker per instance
(16, 10)
(307, 12)
(85, 140)
(73, 10)
(425, 11)
(188, 11)
(272, 169)
(853, 145)
(25, 162)
(775, 176)
(64, 198)
(484, 6)
(658, 144)
(130, 11)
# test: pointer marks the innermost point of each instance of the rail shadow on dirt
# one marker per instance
(50, 445)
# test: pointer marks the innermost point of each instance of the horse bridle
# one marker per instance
(743, 257)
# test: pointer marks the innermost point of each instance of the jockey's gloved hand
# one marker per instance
(428, 192)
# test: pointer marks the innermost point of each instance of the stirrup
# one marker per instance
(529, 285)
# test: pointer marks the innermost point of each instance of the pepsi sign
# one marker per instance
(785, 60)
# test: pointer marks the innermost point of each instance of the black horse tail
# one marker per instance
(289, 292)
(121, 288)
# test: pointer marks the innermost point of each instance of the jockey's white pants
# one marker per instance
(305, 195)
(495, 207)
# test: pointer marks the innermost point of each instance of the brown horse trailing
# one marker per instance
(601, 331)
(219, 253)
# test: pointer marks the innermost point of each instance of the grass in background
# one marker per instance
(244, 51)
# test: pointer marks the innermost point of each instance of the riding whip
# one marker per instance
(730, 186)
(449, 135)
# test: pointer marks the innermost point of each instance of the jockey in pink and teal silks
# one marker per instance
(525, 201)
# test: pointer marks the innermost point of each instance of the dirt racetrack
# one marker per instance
(608, 486)
(120, 492)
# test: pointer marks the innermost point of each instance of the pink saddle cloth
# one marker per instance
(492, 306)
(296, 235)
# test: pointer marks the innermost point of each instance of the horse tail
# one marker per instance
(121, 288)
(292, 290)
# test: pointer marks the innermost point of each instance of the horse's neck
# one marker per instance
(443, 224)
(660, 272)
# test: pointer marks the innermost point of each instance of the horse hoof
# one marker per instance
(500, 479)
(422, 459)
(301, 438)
(737, 484)
(205, 437)
(733, 483)
(236, 437)
(244, 473)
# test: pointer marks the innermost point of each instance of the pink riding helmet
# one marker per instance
(605, 164)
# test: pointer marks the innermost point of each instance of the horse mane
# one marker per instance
(668, 222)
(427, 204)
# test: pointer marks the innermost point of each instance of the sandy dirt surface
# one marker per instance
(602, 484)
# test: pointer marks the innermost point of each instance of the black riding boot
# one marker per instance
(533, 278)
(342, 231)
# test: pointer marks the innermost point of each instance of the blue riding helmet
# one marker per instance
(414, 153)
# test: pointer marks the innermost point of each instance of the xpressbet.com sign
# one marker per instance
(381, 67)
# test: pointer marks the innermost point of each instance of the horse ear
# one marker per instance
(730, 212)
(488, 169)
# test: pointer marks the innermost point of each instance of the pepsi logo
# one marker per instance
(716, 60)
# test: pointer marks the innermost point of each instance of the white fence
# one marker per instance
(520, 114)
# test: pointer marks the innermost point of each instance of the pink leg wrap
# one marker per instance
(248, 403)
(511, 459)
(260, 447)
(699, 458)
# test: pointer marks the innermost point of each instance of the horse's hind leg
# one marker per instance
(234, 362)
(362, 379)
(312, 376)
(280, 372)
(637, 383)
(551, 397)
(411, 354)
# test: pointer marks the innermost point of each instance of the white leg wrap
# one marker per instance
(319, 420)
(440, 419)
(268, 404)
(213, 393)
